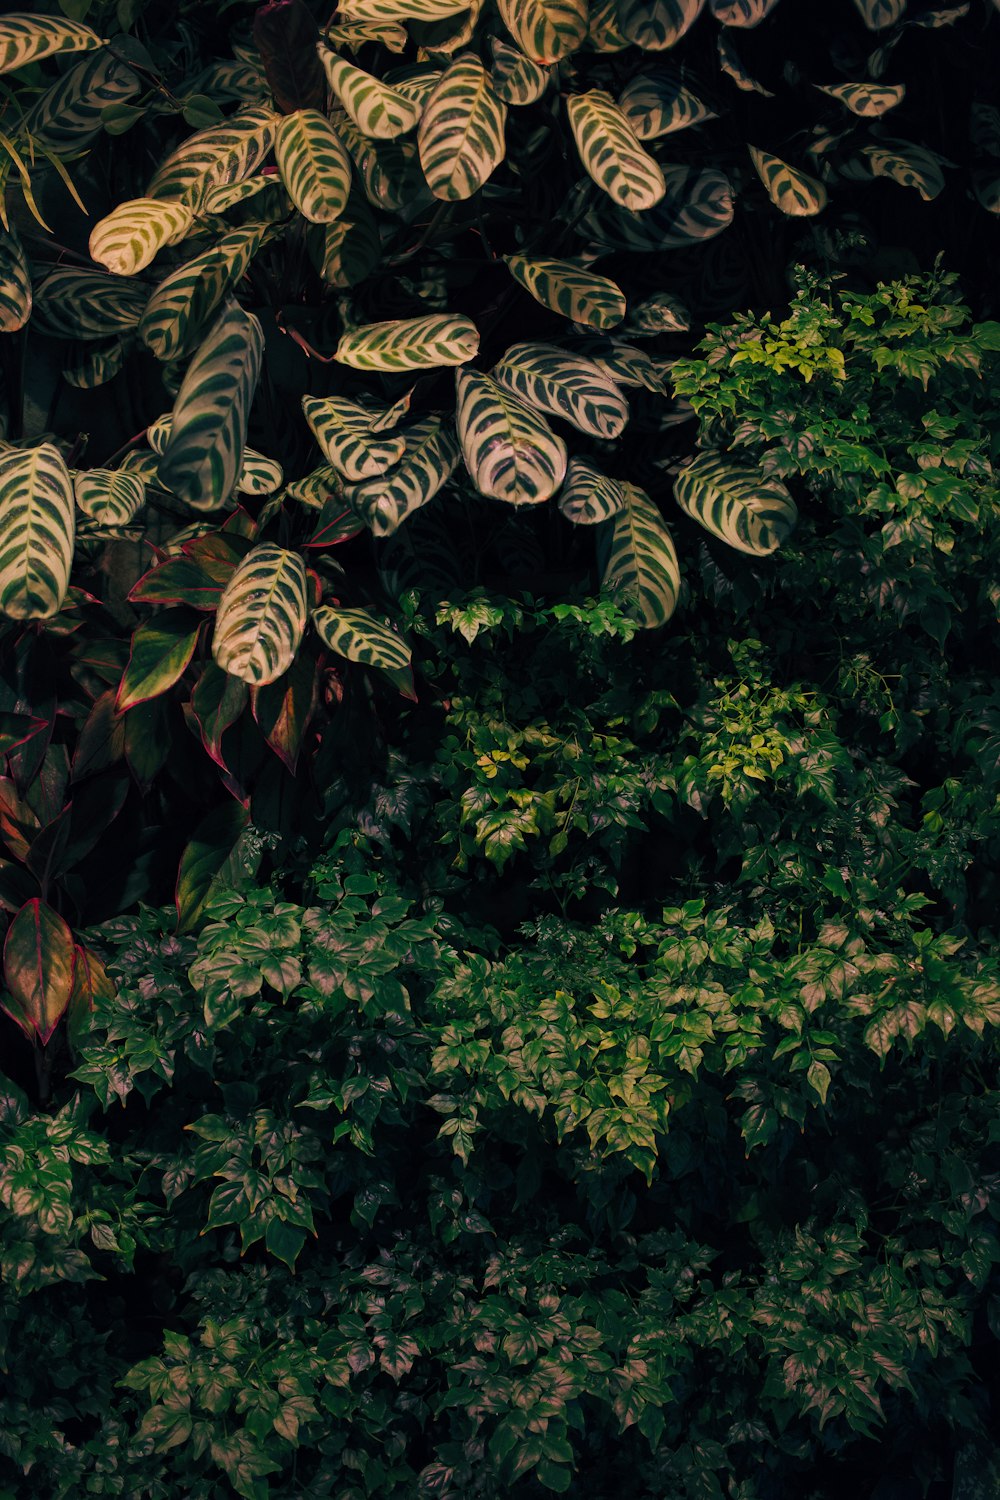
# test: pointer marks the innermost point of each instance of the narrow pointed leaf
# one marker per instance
(582, 296)
(655, 25)
(17, 729)
(161, 650)
(588, 496)
(38, 960)
(210, 863)
(217, 702)
(510, 451)
(261, 615)
(26, 38)
(377, 110)
(314, 165)
(15, 284)
(410, 344)
(358, 636)
(878, 14)
(611, 152)
(516, 79)
(112, 497)
(283, 709)
(641, 568)
(37, 531)
(565, 385)
(461, 135)
(658, 103)
(173, 322)
(134, 232)
(431, 456)
(738, 505)
(87, 304)
(225, 153)
(545, 30)
(869, 100)
(793, 192)
(345, 434)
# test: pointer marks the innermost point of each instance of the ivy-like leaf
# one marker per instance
(565, 288)
(566, 385)
(358, 636)
(410, 344)
(545, 30)
(461, 136)
(792, 191)
(129, 237)
(261, 615)
(27, 38)
(37, 531)
(739, 505)
(611, 153)
(15, 283)
(641, 568)
(588, 496)
(510, 451)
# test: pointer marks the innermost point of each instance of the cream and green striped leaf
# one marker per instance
(565, 385)
(510, 451)
(350, 248)
(640, 568)
(878, 14)
(662, 313)
(261, 615)
(15, 283)
(416, 82)
(219, 154)
(744, 13)
(204, 453)
(275, 204)
(430, 458)
(793, 192)
(400, 10)
(87, 304)
(347, 440)
(27, 38)
(175, 316)
(588, 496)
(314, 489)
(752, 513)
(731, 63)
(390, 170)
(410, 344)
(565, 288)
(112, 497)
(258, 474)
(449, 34)
(869, 100)
(158, 432)
(314, 165)
(604, 33)
(378, 111)
(908, 164)
(516, 79)
(358, 636)
(697, 205)
(611, 152)
(68, 116)
(94, 364)
(353, 35)
(655, 25)
(37, 531)
(545, 30)
(657, 104)
(461, 136)
(131, 236)
(627, 365)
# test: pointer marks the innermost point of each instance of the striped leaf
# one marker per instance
(358, 636)
(204, 454)
(258, 475)
(378, 111)
(655, 25)
(158, 432)
(37, 531)
(175, 316)
(792, 191)
(429, 460)
(739, 505)
(160, 652)
(696, 206)
(640, 567)
(346, 437)
(351, 248)
(908, 164)
(450, 34)
(261, 615)
(410, 344)
(400, 10)
(986, 186)
(461, 137)
(313, 164)
(39, 958)
(564, 288)
(588, 496)
(354, 34)
(744, 13)
(510, 451)
(565, 385)
(93, 364)
(516, 79)
(659, 314)
(878, 14)
(15, 283)
(869, 100)
(626, 365)
(87, 304)
(731, 63)
(545, 30)
(219, 154)
(218, 200)
(68, 116)
(657, 104)
(416, 82)
(318, 487)
(134, 232)
(112, 497)
(611, 153)
(604, 34)
(25, 38)
(390, 170)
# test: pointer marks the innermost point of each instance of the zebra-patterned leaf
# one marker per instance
(640, 567)
(410, 344)
(986, 186)
(68, 116)
(545, 30)
(461, 135)
(390, 170)
(112, 497)
(744, 13)
(510, 451)
(611, 153)
(344, 432)
(204, 453)
(752, 513)
(565, 385)
(604, 32)
(351, 248)
(258, 475)
(358, 636)
(450, 34)
(696, 206)
(730, 62)
(908, 164)
(626, 365)
(37, 531)
(792, 191)
(378, 111)
(25, 38)
(261, 615)
(416, 83)
(588, 496)
(430, 458)
(515, 78)
(400, 10)
(659, 314)
(158, 432)
(129, 237)
(657, 104)
(175, 316)
(878, 14)
(655, 25)
(15, 283)
(225, 153)
(869, 100)
(314, 165)
(562, 287)
(94, 364)
(274, 205)
(354, 34)
(316, 489)
(87, 304)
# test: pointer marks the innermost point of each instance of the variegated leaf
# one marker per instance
(588, 496)
(15, 283)
(908, 164)
(314, 489)
(175, 316)
(986, 186)
(219, 154)
(878, 14)
(314, 165)
(354, 34)
(158, 432)
(604, 33)
(400, 10)
(655, 25)
(640, 567)
(461, 135)
(390, 170)
(545, 30)
(258, 475)
(739, 505)
(416, 82)
(378, 111)
(627, 365)
(37, 531)
(358, 636)
(450, 34)
(218, 200)
(730, 62)
(27, 38)
(261, 615)
(515, 78)
(564, 288)
(657, 104)
(112, 497)
(129, 237)
(204, 453)
(869, 100)
(661, 313)
(744, 13)
(344, 432)
(94, 364)
(87, 304)
(67, 117)
(410, 344)
(430, 458)
(351, 248)
(696, 206)
(791, 191)
(611, 153)
(510, 451)
(566, 385)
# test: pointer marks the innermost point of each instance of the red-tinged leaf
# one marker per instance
(211, 862)
(70, 617)
(286, 35)
(401, 678)
(18, 823)
(284, 708)
(38, 962)
(102, 739)
(240, 522)
(218, 552)
(18, 729)
(91, 982)
(161, 651)
(147, 740)
(106, 659)
(180, 580)
(45, 857)
(337, 523)
(314, 584)
(216, 703)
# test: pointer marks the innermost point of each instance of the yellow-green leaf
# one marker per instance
(588, 496)
(377, 110)
(657, 104)
(429, 459)
(545, 30)
(27, 38)
(37, 531)
(87, 304)
(878, 14)
(314, 165)
(739, 505)
(15, 283)
(745, 13)
(173, 322)
(219, 154)
(515, 78)
(640, 567)
(129, 237)
(564, 288)
(655, 25)
(345, 433)
(410, 343)
(908, 164)
(358, 636)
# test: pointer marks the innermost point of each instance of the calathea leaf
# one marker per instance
(161, 650)
(400, 10)
(655, 25)
(26, 38)
(445, 37)
(410, 344)
(588, 496)
(516, 79)
(132, 234)
(730, 62)
(461, 135)
(314, 165)
(658, 103)
(611, 152)
(741, 12)
(358, 636)
(604, 32)
(37, 531)
(908, 164)
(261, 615)
(582, 296)
(696, 206)
(640, 567)
(38, 961)
(110, 496)
(15, 283)
(87, 304)
(566, 385)
(390, 170)
(377, 110)
(661, 313)
(319, 488)
(351, 248)
(202, 459)
(430, 458)
(68, 116)
(878, 14)
(545, 30)
(258, 474)
(792, 191)
(174, 319)
(346, 436)
(225, 153)
(94, 364)
(738, 505)
(510, 451)
(352, 35)
(869, 100)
